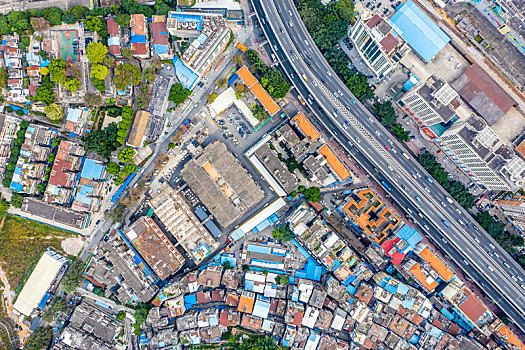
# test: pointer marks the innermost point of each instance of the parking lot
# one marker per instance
(382, 7)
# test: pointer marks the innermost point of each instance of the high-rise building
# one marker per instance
(430, 102)
(375, 44)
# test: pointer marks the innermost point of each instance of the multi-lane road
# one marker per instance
(353, 126)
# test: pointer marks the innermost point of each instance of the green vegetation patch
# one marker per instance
(22, 243)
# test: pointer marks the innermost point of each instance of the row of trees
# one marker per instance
(124, 124)
(456, 189)
(327, 25)
(388, 118)
(496, 229)
(270, 79)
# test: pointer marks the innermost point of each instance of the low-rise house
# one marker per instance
(139, 36)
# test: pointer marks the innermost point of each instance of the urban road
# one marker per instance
(354, 127)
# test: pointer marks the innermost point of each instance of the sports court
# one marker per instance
(65, 44)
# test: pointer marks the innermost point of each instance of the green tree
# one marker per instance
(126, 155)
(53, 15)
(72, 85)
(283, 233)
(400, 132)
(345, 9)
(126, 52)
(226, 265)
(99, 71)
(93, 24)
(113, 168)
(178, 94)
(122, 19)
(17, 200)
(126, 74)
(427, 160)
(386, 112)
(73, 276)
(283, 279)
(40, 338)
(258, 343)
(143, 96)
(161, 9)
(313, 194)
(141, 313)
(259, 112)
(96, 52)
(291, 164)
(4, 206)
(149, 74)
(54, 112)
(57, 305)
(102, 141)
(121, 315)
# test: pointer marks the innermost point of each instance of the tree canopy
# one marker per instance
(283, 233)
(178, 94)
(99, 71)
(96, 52)
(125, 155)
(102, 141)
(313, 194)
(54, 112)
(126, 74)
(73, 276)
(271, 79)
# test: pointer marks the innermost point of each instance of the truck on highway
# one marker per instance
(386, 186)
(445, 222)
(406, 155)
(429, 179)
(449, 200)
(305, 77)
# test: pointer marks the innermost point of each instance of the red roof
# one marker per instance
(203, 298)
(158, 28)
(139, 48)
(113, 27)
(298, 319)
(114, 49)
(389, 42)
(372, 22)
(396, 256)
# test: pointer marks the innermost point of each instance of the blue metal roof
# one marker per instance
(423, 35)
(92, 170)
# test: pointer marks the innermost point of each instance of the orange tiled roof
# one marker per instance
(306, 127)
(510, 337)
(265, 99)
(246, 305)
(247, 77)
(334, 162)
(381, 212)
(259, 92)
(436, 264)
(416, 271)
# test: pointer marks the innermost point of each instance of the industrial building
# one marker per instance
(182, 224)
(155, 247)
(419, 31)
(39, 287)
(222, 184)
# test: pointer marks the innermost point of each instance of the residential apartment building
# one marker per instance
(211, 33)
(9, 126)
(431, 102)
(514, 208)
(478, 152)
(32, 162)
(375, 44)
(63, 177)
(139, 36)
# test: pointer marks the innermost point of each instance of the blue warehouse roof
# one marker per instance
(423, 35)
